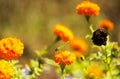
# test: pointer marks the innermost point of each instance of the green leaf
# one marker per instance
(50, 62)
(88, 36)
(97, 47)
(41, 52)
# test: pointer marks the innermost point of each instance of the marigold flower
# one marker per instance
(79, 45)
(11, 48)
(107, 24)
(6, 70)
(64, 57)
(63, 32)
(94, 71)
(87, 8)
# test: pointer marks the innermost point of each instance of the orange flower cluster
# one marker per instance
(107, 24)
(11, 48)
(94, 71)
(63, 32)
(6, 70)
(79, 45)
(64, 57)
(87, 8)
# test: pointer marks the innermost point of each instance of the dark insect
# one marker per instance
(100, 36)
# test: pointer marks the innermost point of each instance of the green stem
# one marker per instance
(108, 61)
(53, 43)
(62, 76)
(62, 46)
(110, 72)
(87, 18)
(62, 71)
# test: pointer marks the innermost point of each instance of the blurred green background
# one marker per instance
(32, 21)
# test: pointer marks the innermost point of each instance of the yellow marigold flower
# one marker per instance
(87, 8)
(94, 71)
(107, 24)
(6, 70)
(79, 45)
(63, 32)
(11, 48)
(64, 57)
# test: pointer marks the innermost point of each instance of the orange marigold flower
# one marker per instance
(63, 32)
(11, 48)
(88, 8)
(64, 57)
(6, 70)
(79, 45)
(107, 24)
(94, 71)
